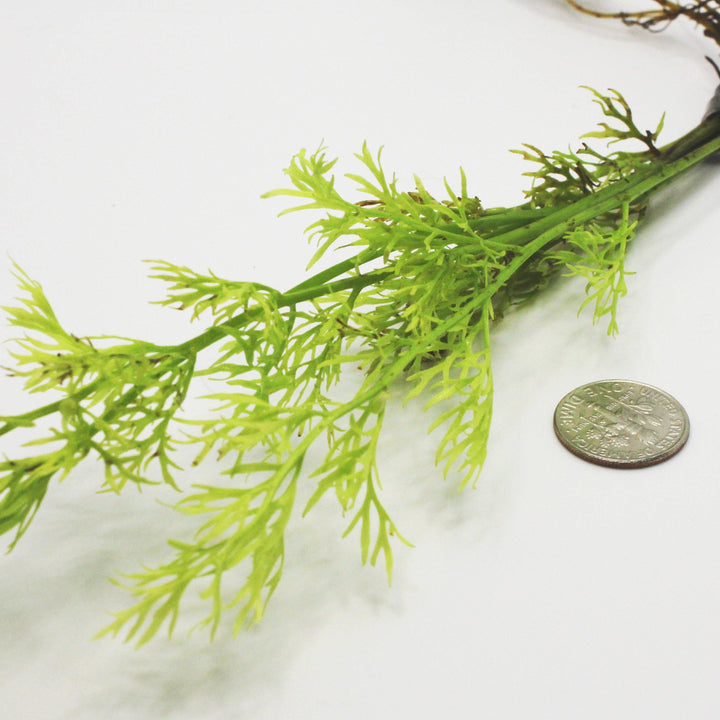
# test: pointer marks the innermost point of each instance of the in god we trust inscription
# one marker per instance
(621, 424)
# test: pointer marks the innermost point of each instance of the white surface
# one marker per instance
(556, 589)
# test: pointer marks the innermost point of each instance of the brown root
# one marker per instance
(705, 13)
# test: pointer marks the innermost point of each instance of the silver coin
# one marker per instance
(621, 424)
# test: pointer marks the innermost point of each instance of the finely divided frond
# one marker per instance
(203, 293)
(599, 257)
(462, 377)
(615, 107)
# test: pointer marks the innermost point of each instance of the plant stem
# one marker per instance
(532, 229)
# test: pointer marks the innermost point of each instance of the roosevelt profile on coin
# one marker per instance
(621, 424)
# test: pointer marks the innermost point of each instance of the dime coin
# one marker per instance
(621, 424)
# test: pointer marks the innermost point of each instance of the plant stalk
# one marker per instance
(532, 229)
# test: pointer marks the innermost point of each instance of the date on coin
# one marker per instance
(621, 424)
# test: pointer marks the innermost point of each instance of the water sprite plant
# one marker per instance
(413, 307)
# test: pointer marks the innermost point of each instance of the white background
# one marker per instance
(555, 589)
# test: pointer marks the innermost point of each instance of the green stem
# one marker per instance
(27, 419)
(533, 230)
(551, 229)
(321, 284)
(698, 144)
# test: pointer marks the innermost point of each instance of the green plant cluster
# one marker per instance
(412, 306)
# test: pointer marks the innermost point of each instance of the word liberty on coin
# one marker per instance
(622, 424)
